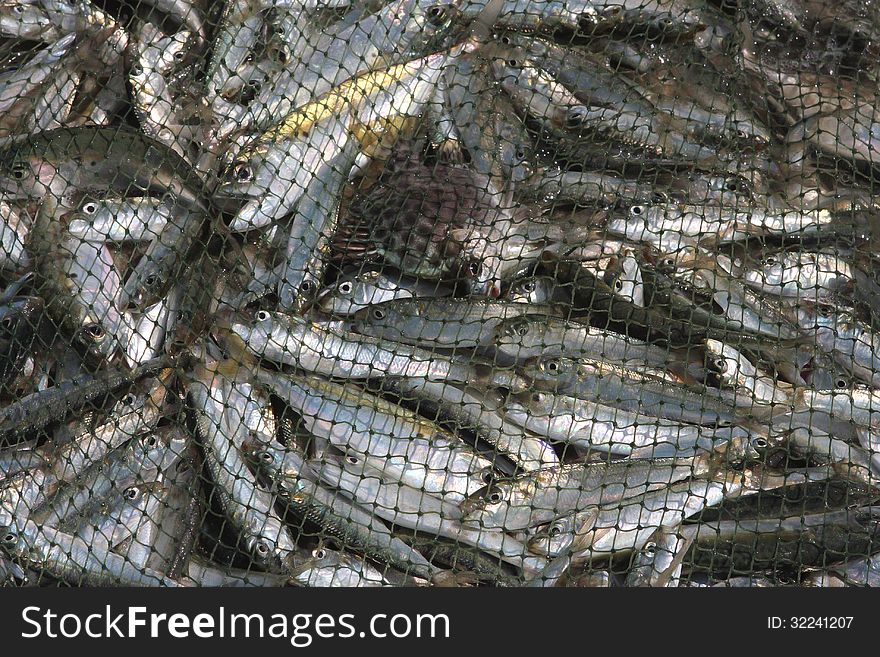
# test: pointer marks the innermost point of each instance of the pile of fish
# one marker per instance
(440, 292)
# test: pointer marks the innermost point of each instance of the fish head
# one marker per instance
(24, 177)
(270, 550)
(248, 175)
(818, 317)
(515, 156)
(771, 271)
(350, 293)
(12, 542)
(435, 24)
(491, 506)
(514, 330)
(101, 343)
(533, 289)
(530, 402)
(25, 19)
(552, 367)
(479, 261)
(236, 322)
(263, 455)
(17, 311)
(135, 398)
(146, 285)
(722, 359)
(553, 538)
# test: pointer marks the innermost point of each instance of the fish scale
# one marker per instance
(439, 293)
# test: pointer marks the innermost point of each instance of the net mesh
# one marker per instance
(439, 293)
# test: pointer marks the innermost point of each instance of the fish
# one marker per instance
(293, 340)
(346, 522)
(99, 158)
(71, 558)
(39, 409)
(386, 437)
(119, 220)
(589, 426)
(363, 288)
(441, 322)
(249, 506)
(438, 293)
(480, 413)
(535, 498)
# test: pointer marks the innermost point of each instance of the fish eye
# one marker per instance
(307, 286)
(618, 285)
(494, 497)
(636, 210)
(720, 364)
(345, 287)
(520, 154)
(10, 538)
(151, 281)
(18, 9)
(262, 548)
(19, 170)
(262, 316)
(136, 70)
(437, 14)
(378, 313)
(352, 459)
(266, 457)
(522, 330)
(131, 493)
(668, 262)
(474, 268)
(537, 397)
(575, 116)
(94, 332)
(151, 441)
(90, 208)
(514, 63)
(732, 185)
(129, 400)
(770, 261)
(555, 530)
(320, 553)
(7, 322)
(650, 549)
(242, 172)
(761, 443)
(487, 477)
(841, 383)
(552, 366)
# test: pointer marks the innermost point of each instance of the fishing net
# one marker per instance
(439, 293)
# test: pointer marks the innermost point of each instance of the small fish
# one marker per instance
(363, 288)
